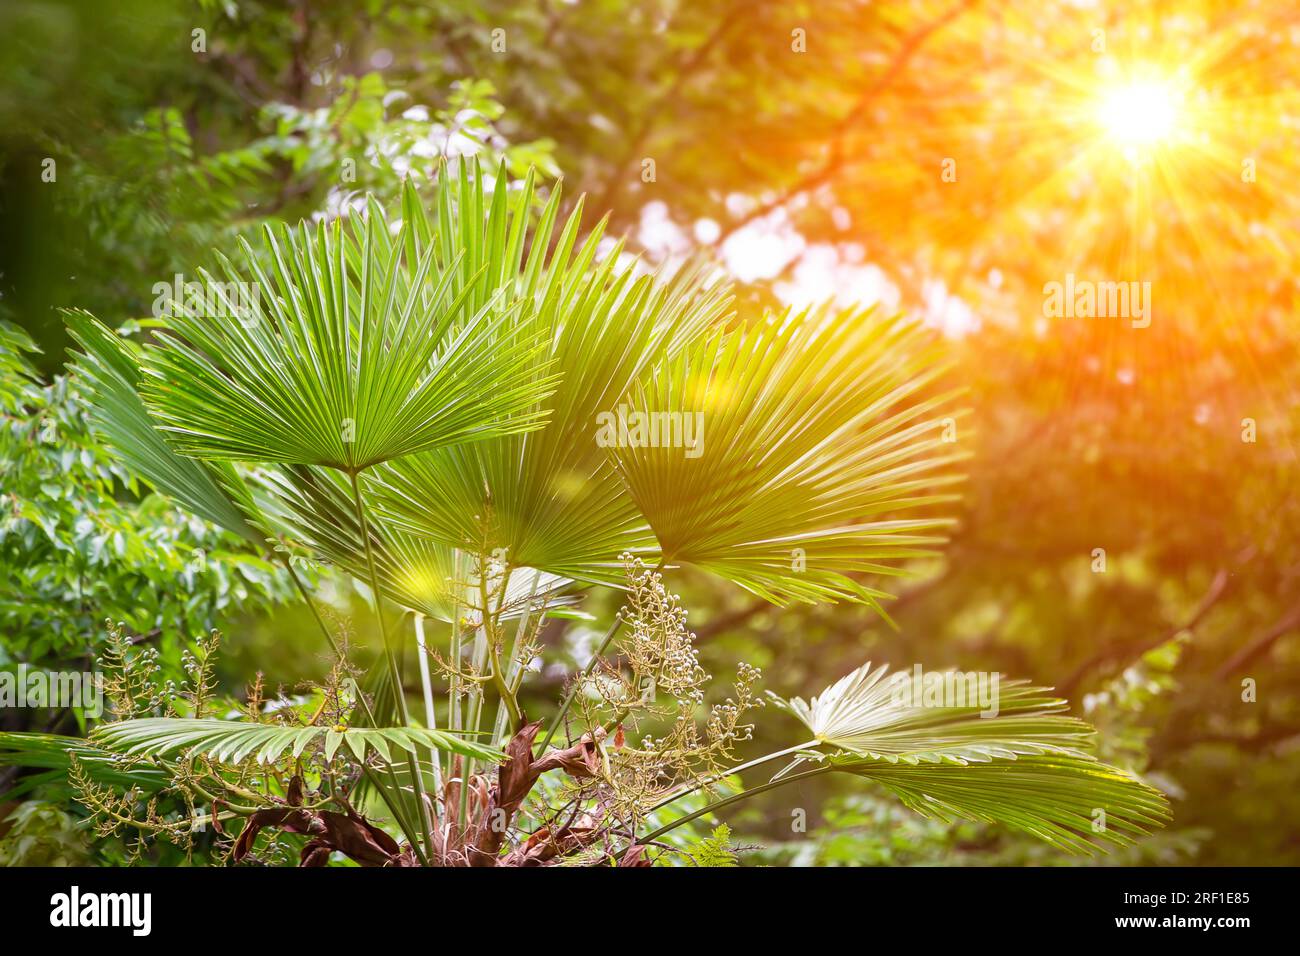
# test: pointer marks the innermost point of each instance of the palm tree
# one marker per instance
(419, 402)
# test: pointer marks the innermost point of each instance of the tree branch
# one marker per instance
(833, 162)
(651, 114)
(1211, 597)
(1284, 625)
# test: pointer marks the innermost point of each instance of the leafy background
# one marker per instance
(806, 172)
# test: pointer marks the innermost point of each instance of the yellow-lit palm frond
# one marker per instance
(820, 447)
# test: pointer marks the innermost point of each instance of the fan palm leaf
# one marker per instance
(357, 347)
(1028, 767)
(228, 741)
(111, 371)
(1073, 803)
(886, 717)
(816, 433)
(550, 498)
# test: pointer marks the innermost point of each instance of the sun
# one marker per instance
(1141, 114)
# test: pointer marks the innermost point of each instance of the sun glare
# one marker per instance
(1140, 114)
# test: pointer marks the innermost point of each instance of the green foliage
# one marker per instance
(1073, 803)
(41, 834)
(52, 756)
(872, 828)
(377, 348)
(714, 850)
(553, 499)
(112, 374)
(82, 540)
(377, 134)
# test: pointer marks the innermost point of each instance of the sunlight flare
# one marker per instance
(1140, 114)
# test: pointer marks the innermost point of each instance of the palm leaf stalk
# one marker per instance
(426, 690)
(508, 706)
(394, 671)
(714, 806)
(500, 675)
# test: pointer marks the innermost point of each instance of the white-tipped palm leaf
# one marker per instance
(228, 741)
(1028, 767)
(890, 717)
(551, 498)
(356, 348)
(820, 434)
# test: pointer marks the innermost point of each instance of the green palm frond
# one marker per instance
(357, 347)
(112, 372)
(229, 741)
(311, 506)
(1028, 767)
(888, 718)
(818, 431)
(53, 755)
(551, 498)
(1073, 803)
